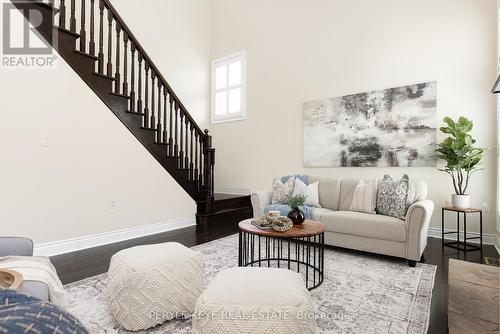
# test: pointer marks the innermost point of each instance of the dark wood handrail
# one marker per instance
(146, 57)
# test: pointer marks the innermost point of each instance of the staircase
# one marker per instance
(104, 52)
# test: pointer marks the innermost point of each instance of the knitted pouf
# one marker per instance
(150, 284)
(257, 301)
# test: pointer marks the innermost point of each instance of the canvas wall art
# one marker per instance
(393, 127)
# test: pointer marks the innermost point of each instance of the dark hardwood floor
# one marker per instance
(85, 263)
(439, 256)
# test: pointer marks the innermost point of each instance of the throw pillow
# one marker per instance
(311, 192)
(365, 196)
(280, 189)
(392, 197)
(20, 313)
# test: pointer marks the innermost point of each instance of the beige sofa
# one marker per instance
(363, 231)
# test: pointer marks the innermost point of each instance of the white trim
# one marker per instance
(74, 244)
(497, 245)
(488, 239)
(242, 115)
(235, 191)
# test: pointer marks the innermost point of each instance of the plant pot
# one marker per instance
(460, 201)
(297, 216)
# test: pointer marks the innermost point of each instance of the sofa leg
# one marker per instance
(412, 263)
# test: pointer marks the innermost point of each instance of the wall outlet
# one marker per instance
(45, 141)
(486, 206)
(114, 205)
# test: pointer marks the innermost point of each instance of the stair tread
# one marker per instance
(135, 113)
(148, 129)
(120, 95)
(67, 31)
(86, 54)
(104, 76)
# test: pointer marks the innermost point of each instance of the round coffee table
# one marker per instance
(301, 249)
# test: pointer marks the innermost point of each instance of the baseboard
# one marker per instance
(234, 191)
(74, 244)
(488, 239)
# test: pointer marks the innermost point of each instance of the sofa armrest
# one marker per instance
(418, 218)
(16, 246)
(260, 199)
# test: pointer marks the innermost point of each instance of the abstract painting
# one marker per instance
(394, 127)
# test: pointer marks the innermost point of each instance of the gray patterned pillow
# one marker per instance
(392, 196)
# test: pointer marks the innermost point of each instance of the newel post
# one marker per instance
(208, 166)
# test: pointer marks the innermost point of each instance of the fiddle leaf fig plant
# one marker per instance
(459, 153)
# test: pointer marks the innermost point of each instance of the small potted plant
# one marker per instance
(461, 158)
(294, 202)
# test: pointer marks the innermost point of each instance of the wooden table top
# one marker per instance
(473, 294)
(450, 208)
(307, 229)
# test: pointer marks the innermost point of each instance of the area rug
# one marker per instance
(361, 293)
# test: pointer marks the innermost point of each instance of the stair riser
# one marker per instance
(237, 202)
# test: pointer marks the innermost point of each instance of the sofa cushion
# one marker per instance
(318, 212)
(365, 224)
(329, 191)
(347, 187)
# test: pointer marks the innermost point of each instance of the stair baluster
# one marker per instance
(176, 136)
(132, 78)
(165, 107)
(158, 126)
(117, 51)
(191, 164)
(200, 178)
(62, 14)
(171, 151)
(110, 41)
(92, 23)
(146, 96)
(186, 145)
(181, 137)
(153, 122)
(196, 143)
(139, 84)
(83, 33)
(72, 19)
(100, 65)
(125, 63)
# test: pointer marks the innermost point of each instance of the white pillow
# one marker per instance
(280, 189)
(310, 191)
(365, 196)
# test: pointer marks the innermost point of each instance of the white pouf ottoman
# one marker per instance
(255, 300)
(150, 284)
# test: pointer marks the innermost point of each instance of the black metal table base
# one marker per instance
(304, 255)
(458, 244)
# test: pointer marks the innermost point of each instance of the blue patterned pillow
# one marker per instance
(392, 197)
(20, 313)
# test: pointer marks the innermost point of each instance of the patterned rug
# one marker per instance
(361, 293)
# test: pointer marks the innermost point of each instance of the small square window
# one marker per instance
(228, 88)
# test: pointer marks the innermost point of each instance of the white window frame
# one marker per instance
(242, 115)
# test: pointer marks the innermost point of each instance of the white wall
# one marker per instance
(303, 50)
(65, 190)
